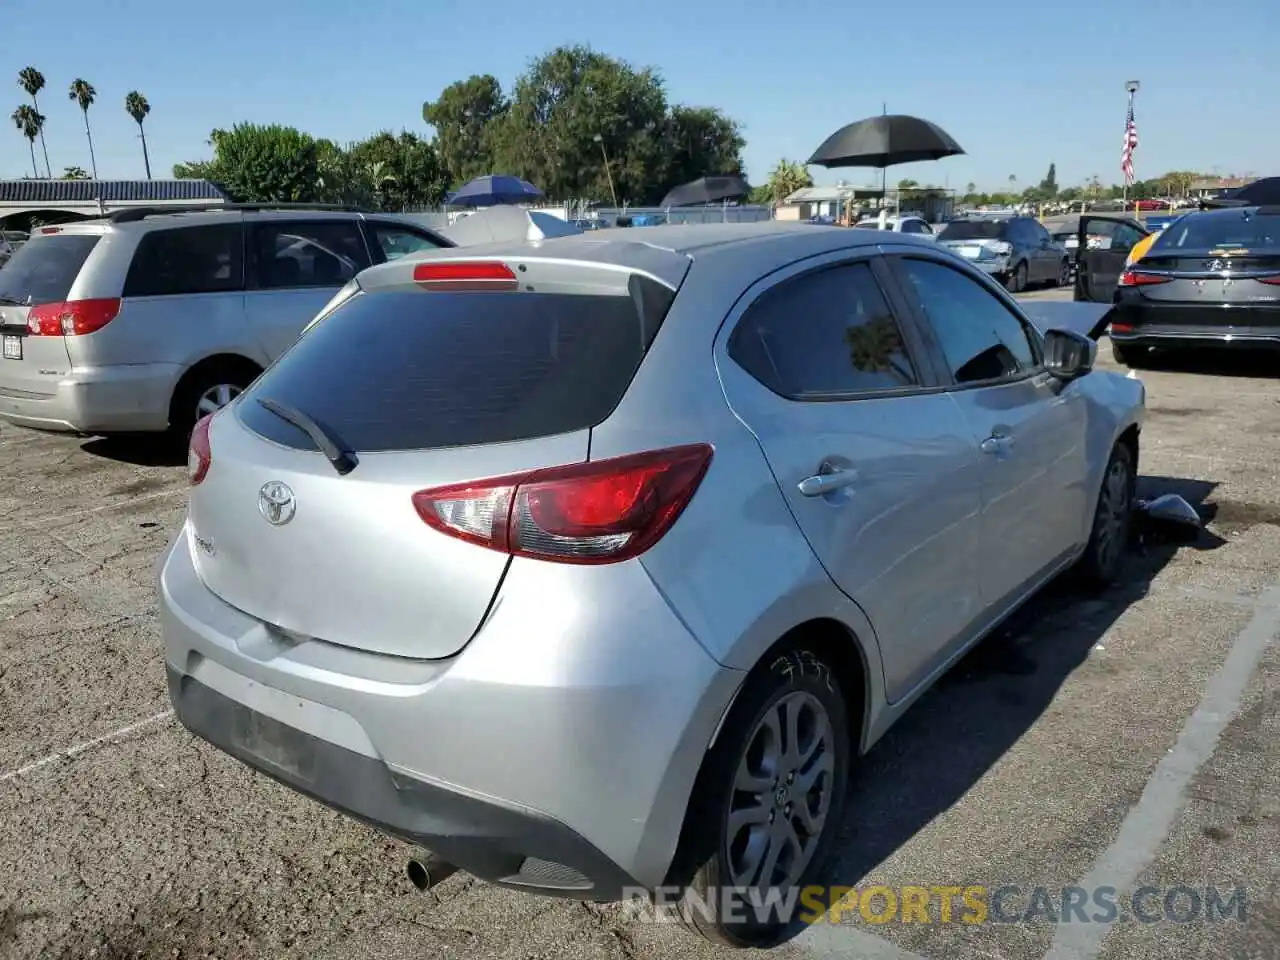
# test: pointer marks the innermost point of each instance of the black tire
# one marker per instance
(1104, 556)
(1130, 356)
(703, 863)
(183, 412)
(1017, 281)
(1064, 275)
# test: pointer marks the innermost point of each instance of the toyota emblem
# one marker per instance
(276, 503)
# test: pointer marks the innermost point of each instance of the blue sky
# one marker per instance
(1018, 86)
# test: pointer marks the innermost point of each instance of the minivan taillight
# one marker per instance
(601, 511)
(71, 318)
(199, 453)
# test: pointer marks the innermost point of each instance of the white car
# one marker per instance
(905, 224)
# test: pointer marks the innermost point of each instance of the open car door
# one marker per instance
(1102, 247)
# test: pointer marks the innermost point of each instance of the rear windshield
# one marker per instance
(972, 230)
(1231, 231)
(43, 270)
(416, 370)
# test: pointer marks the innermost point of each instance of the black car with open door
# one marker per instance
(1211, 279)
(1102, 248)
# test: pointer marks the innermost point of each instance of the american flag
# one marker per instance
(1130, 144)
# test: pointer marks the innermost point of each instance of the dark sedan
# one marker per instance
(1211, 279)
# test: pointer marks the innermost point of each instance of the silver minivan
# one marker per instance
(149, 319)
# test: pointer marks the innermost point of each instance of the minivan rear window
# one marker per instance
(43, 270)
(972, 230)
(414, 370)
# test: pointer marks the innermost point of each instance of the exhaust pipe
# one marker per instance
(429, 872)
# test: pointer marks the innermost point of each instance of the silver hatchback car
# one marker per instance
(151, 318)
(591, 564)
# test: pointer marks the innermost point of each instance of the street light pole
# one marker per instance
(607, 172)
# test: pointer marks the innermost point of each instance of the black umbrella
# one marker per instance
(885, 141)
(707, 190)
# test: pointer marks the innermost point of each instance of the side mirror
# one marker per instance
(1068, 355)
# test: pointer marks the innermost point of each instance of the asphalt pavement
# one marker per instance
(1126, 740)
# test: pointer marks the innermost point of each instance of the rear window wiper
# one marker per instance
(12, 301)
(343, 459)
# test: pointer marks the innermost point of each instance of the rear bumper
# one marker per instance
(1190, 325)
(495, 841)
(555, 753)
(121, 399)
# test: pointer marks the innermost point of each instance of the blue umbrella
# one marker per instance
(492, 190)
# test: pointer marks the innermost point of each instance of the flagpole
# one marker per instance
(1131, 87)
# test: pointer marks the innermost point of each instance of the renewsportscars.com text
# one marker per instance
(944, 904)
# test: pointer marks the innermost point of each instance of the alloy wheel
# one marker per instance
(215, 398)
(782, 793)
(1114, 511)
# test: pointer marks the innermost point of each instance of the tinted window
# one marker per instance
(980, 337)
(1036, 233)
(914, 226)
(824, 333)
(1229, 229)
(416, 370)
(43, 270)
(208, 259)
(971, 230)
(307, 254)
(396, 242)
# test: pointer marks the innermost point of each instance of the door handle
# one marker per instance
(820, 484)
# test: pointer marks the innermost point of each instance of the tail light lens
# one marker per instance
(603, 511)
(199, 454)
(71, 318)
(1136, 278)
(1273, 281)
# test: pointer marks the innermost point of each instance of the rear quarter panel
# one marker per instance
(1113, 404)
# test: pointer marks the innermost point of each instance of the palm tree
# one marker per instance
(29, 122)
(32, 80)
(786, 178)
(135, 104)
(82, 92)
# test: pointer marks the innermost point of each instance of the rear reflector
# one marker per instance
(471, 275)
(1136, 278)
(71, 318)
(603, 511)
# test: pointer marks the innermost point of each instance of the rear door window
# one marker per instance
(824, 334)
(412, 370)
(187, 260)
(393, 241)
(43, 270)
(316, 253)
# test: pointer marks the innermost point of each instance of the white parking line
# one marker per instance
(80, 748)
(1148, 824)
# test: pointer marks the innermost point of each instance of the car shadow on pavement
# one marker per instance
(140, 450)
(960, 729)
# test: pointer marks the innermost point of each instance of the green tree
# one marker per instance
(29, 123)
(1049, 185)
(135, 104)
(32, 81)
(908, 184)
(82, 93)
(574, 94)
(786, 178)
(75, 173)
(402, 172)
(701, 142)
(1070, 194)
(261, 164)
(465, 116)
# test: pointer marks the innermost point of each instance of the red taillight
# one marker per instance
(48, 230)
(1274, 281)
(1136, 278)
(470, 275)
(597, 512)
(72, 318)
(1122, 327)
(199, 454)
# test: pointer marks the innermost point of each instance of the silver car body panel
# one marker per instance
(590, 694)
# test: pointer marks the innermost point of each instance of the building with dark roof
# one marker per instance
(60, 200)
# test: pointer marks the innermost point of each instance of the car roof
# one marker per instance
(666, 251)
